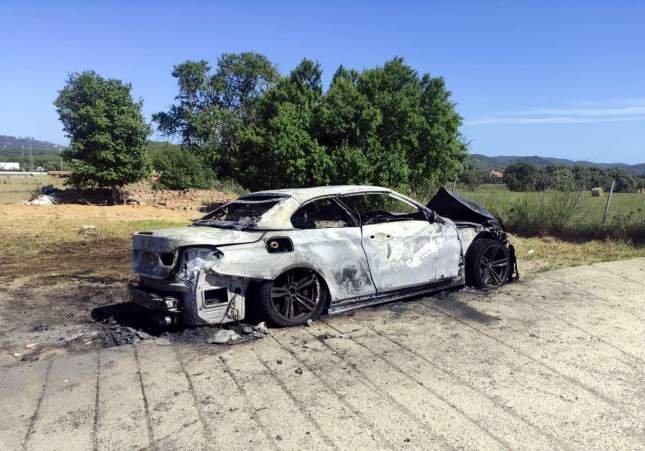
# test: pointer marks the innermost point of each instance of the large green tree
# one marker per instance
(386, 125)
(281, 149)
(107, 131)
(213, 109)
(520, 177)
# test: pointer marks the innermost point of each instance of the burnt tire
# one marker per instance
(292, 298)
(488, 264)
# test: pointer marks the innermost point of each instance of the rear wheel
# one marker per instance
(488, 264)
(292, 298)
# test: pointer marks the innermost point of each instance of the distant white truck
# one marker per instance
(9, 166)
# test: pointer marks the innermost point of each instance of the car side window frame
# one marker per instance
(419, 210)
(350, 218)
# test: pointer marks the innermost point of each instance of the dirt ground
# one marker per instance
(554, 362)
(54, 275)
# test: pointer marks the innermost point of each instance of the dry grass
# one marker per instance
(537, 254)
(28, 229)
(46, 241)
(17, 188)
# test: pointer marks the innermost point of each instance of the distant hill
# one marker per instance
(11, 145)
(499, 163)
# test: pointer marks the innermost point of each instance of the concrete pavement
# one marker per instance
(555, 362)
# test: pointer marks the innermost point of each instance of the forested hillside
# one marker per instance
(499, 163)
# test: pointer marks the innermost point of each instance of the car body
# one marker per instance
(293, 254)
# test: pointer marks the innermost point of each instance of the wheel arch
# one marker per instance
(255, 283)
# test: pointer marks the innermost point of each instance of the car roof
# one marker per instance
(302, 195)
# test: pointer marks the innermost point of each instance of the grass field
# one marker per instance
(15, 188)
(573, 216)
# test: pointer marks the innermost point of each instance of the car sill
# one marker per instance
(392, 296)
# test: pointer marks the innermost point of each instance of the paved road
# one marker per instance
(554, 362)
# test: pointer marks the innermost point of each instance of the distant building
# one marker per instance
(496, 174)
(9, 166)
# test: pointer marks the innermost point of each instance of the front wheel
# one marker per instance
(292, 298)
(488, 264)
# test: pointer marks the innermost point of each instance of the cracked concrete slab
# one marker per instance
(556, 361)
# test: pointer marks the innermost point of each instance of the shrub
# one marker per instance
(628, 226)
(181, 168)
(544, 213)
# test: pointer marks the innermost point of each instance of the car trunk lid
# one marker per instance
(168, 240)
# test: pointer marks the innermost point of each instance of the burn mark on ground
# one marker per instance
(462, 310)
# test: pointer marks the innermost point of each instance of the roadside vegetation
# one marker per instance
(575, 216)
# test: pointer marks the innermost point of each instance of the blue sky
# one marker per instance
(563, 78)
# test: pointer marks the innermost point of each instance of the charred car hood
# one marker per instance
(168, 240)
(452, 206)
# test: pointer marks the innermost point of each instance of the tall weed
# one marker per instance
(572, 215)
(544, 213)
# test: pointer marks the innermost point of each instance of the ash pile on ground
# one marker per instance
(127, 323)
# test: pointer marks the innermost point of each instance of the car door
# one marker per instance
(403, 247)
(329, 239)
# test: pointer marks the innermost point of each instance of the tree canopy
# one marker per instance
(107, 131)
(213, 109)
(386, 125)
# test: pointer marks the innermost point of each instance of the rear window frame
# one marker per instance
(248, 199)
(352, 220)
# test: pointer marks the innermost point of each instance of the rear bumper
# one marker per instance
(152, 300)
(209, 300)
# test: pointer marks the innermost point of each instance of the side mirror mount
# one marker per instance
(430, 215)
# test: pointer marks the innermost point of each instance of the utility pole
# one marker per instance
(611, 191)
(31, 156)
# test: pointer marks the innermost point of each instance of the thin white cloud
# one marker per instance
(633, 112)
(585, 112)
(510, 120)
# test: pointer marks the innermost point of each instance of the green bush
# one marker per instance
(544, 213)
(181, 168)
(571, 215)
(628, 226)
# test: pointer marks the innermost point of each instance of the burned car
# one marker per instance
(290, 255)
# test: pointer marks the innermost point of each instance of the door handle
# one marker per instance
(380, 236)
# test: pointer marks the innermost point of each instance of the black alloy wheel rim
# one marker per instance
(296, 294)
(494, 265)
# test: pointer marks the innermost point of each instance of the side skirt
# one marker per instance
(346, 305)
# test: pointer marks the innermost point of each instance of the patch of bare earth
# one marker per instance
(54, 275)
